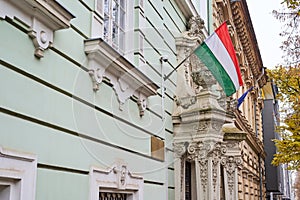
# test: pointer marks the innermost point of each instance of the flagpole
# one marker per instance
(166, 77)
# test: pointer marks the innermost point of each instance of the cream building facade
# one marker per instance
(88, 113)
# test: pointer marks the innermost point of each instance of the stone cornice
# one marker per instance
(246, 34)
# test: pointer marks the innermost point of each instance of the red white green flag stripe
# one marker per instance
(217, 53)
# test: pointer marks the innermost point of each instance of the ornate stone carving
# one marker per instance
(230, 165)
(179, 149)
(127, 80)
(203, 164)
(215, 173)
(122, 173)
(116, 178)
(42, 17)
(185, 102)
(202, 150)
(195, 28)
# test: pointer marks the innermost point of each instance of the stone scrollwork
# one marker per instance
(202, 150)
(185, 102)
(42, 17)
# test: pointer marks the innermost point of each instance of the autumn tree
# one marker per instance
(287, 80)
(290, 17)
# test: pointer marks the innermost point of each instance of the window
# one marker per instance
(17, 175)
(188, 181)
(112, 196)
(115, 183)
(114, 23)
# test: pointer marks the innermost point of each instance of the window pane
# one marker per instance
(106, 6)
(115, 12)
(106, 27)
(115, 34)
(114, 23)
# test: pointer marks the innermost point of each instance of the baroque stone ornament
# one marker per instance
(196, 26)
(179, 149)
(186, 102)
(115, 179)
(42, 17)
(203, 163)
(230, 165)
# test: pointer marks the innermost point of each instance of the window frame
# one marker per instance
(18, 172)
(116, 179)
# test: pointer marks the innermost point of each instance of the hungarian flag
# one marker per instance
(217, 53)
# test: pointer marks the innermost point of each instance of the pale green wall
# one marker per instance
(48, 107)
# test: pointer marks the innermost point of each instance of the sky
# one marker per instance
(267, 30)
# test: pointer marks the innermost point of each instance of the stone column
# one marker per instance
(207, 157)
(179, 172)
(232, 160)
(198, 122)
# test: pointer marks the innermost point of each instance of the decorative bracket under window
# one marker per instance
(127, 80)
(43, 17)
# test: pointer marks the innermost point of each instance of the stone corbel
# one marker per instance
(127, 80)
(43, 17)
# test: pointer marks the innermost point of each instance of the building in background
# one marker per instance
(278, 178)
(88, 113)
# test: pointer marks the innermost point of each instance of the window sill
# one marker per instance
(42, 17)
(127, 80)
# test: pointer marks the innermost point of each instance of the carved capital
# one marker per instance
(203, 150)
(179, 149)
